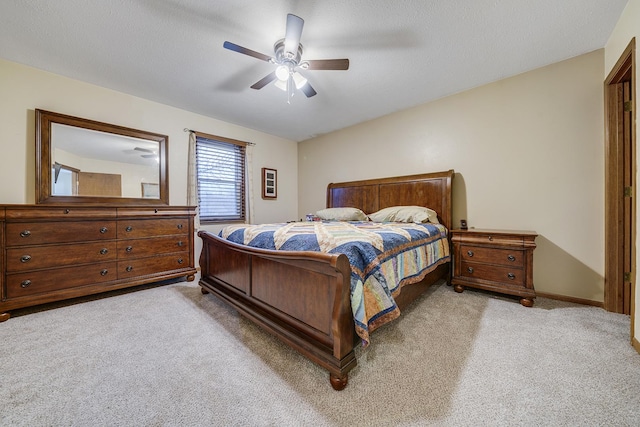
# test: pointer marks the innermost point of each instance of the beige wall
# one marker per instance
(24, 89)
(527, 152)
(627, 28)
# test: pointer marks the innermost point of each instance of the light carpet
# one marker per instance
(170, 356)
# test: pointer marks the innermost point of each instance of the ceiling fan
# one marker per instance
(151, 154)
(288, 58)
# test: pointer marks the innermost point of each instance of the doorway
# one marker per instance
(620, 184)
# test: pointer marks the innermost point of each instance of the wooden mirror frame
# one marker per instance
(44, 120)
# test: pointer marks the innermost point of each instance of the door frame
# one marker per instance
(614, 194)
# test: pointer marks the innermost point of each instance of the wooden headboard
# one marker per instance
(432, 190)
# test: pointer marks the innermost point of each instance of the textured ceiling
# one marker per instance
(402, 52)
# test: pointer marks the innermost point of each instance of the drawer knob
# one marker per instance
(25, 258)
(103, 230)
(25, 284)
(491, 238)
(470, 253)
(511, 258)
(129, 248)
(179, 226)
(180, 261)
(25, 233)
(180, 243)
(128, 228)
(66, 211)
(511, 276)
(129, 268)
(470, 269)
(104, 251)
(104, 272)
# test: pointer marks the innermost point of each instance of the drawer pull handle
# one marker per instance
(103, 230)
(470, 253)
(491, 238)
(511, 258)
(104, 272)
(25, 258)
(511, 276)
(104, 251)
(25, 233)
(180, 243)
(25, 284)
(180, 261)
(128, 228)
(67, 211)
(470, 269)
(155, 211)
(179, 226)
(129, 248)
(129, 268)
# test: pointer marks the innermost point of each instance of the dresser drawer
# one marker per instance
(59, 213)
(149, 212)
(36, 233)
(37, 282)
(152, 227)
(38, 257)
(136, 248)
(506, 275)
(145, 266)
(489, 255)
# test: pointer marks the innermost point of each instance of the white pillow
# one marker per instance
(342, 214)
(417, 214)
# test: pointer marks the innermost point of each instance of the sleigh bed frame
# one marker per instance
(303, 297)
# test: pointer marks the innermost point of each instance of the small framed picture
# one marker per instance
(150, 191)
(269, 183)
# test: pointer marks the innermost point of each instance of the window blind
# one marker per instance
(221, 180)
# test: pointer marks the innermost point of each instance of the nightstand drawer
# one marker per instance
(492, 273)
(508, 257)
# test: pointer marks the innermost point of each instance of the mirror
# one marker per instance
(84, 161)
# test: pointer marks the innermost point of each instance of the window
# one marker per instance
(220, 164)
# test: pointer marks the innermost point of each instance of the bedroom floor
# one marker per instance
(169, 355)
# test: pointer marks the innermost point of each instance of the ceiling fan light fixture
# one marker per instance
(282, 73)
(299, 80)
(281, 84)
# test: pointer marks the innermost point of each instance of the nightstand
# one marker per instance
(494, 260)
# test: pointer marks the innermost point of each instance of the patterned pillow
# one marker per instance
(415, 214)
(342, 214)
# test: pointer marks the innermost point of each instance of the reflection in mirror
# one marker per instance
(110, 165)
(85, 161)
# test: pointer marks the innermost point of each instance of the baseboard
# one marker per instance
(635, 344)
(570, 299)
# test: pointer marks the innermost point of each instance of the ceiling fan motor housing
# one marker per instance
(283, 57)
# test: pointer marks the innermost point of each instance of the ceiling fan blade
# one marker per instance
(293, 34)
(234, 47)
(327, 64)
(308, 90)
(264, 81)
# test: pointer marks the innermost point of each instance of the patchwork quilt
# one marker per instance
(383, 257)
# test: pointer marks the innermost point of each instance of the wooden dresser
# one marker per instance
(494, 260)
(53, 253)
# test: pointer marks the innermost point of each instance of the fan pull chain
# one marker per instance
(290, 88)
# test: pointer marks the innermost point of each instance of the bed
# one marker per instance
(304, 297)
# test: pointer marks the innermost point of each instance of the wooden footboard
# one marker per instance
(300, 297)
